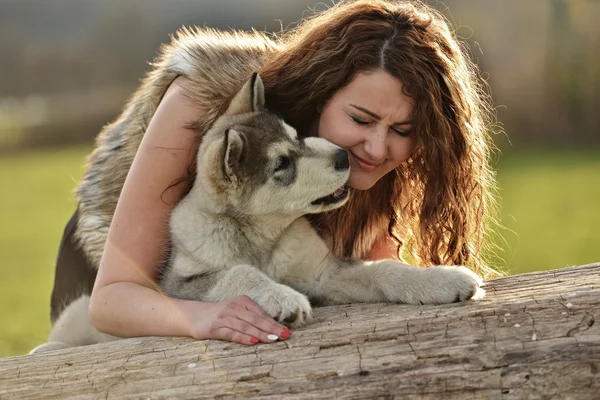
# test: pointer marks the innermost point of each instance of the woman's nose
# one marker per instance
(376, 146)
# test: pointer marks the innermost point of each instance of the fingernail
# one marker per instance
(254, 340)
(285, 333)
(272, 337)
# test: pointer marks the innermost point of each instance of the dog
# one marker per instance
(241, 230)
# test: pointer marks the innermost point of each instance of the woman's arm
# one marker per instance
(125, 301)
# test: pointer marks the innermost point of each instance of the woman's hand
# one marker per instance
(238, 319)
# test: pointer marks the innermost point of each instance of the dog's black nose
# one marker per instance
(341, 160)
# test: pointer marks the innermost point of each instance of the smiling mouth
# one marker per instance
(339, 195)
(364, 165)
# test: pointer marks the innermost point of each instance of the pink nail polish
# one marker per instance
(254, 340)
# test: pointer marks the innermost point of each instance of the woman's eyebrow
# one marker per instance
(378, 118)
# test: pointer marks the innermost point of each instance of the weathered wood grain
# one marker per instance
(534, 336)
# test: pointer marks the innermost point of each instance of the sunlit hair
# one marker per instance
(439, 202)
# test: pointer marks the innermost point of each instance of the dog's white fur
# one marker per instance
(240, 231)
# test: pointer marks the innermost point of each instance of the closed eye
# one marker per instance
(401, 133)
(358, 120)
(363, 122)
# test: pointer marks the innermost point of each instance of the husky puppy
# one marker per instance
(240, 229)
(231, 234)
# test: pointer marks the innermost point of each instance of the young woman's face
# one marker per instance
(371, 119)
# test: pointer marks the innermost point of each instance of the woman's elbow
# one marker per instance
(97, 310)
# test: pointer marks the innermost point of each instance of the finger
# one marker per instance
(232, 335)
(264, 329)
(250, 305)
(259, 318)
(241, 324)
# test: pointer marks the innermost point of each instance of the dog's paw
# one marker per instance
(449, 284)
(286, 305)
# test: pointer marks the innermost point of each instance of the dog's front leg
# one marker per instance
(279, 301)
(390, 281)
(304, 262)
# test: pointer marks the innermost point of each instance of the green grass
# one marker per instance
(550, 208)
(35, 204)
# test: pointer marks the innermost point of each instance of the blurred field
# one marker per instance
(34, 207)
(550, 208)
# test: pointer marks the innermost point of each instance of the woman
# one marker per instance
(386, 81)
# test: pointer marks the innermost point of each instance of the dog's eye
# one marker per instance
(282, 163)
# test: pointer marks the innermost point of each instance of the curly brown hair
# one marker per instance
(439, 204)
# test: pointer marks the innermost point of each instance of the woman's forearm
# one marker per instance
(127, 309)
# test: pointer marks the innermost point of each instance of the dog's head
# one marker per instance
(251, 161)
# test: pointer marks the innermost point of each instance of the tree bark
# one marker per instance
(534, 336)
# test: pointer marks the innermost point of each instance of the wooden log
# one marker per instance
(534, 336)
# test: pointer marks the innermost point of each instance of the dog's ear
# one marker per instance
(234, 153)
(250, 98)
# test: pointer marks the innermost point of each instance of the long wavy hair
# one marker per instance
(439, 204)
